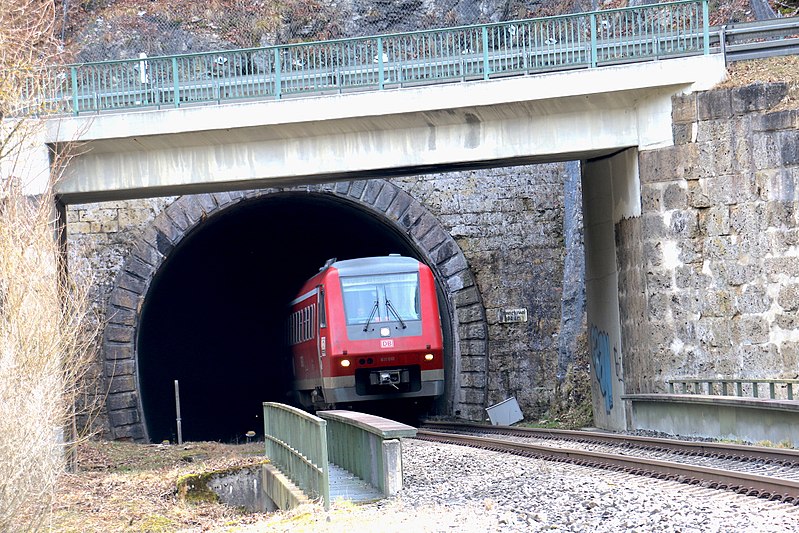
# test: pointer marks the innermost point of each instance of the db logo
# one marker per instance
(387, 343)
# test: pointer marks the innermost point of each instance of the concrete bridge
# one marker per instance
(607, 118)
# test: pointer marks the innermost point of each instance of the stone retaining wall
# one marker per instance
(719, 243)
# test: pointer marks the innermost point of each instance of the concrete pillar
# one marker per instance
(611, 192)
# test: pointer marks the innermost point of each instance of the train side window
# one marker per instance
(322, 310)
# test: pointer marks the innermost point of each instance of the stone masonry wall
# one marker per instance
(719, 238)
(509, 225)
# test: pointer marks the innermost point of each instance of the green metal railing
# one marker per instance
(778, 389)
(357, 444)
(464, 53)
(296, 443)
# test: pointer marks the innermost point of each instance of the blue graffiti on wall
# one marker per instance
(601, 361)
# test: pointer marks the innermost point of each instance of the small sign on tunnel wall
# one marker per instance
(509, 316)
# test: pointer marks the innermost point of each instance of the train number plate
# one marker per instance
(387, 343)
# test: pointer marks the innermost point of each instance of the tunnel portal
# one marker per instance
(214, 314)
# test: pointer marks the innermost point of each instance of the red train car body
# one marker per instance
(366, 329)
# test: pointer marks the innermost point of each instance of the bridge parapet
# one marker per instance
(582, 40)
(296, 443)
(305, 448)
(729, 409)
(368, 446)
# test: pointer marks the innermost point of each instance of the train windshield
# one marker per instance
(381, 298)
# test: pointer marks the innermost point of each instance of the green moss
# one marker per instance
(156, 524)
(193, 488)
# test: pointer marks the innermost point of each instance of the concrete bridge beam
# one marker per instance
(550, 117)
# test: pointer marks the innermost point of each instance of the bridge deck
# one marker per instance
(345, 485)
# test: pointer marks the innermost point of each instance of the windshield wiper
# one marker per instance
(390, 307)
(369, 320)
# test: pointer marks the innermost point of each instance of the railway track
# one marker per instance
(770, 473)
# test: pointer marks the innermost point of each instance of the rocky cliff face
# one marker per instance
(123, 29)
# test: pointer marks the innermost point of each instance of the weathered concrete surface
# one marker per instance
(244, 489)
(280, 490)
(549, 117)
(747, 419)
(712, 265)
(610, 194)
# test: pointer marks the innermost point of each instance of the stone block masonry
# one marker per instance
(718, 240)
(507, 223)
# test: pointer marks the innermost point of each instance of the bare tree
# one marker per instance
(45, 339)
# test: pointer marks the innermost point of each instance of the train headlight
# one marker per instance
(428, 357)
(385, 332)
(345, 363)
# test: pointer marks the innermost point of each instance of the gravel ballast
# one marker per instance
(454, 488)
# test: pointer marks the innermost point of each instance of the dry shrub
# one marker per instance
(45, 349)
(45, 339)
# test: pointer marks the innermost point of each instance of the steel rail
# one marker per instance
(779, 456)
(740, 482)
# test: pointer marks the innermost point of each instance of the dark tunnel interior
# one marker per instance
(213, 318)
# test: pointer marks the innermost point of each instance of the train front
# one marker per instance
(385, 335)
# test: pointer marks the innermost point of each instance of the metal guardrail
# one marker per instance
(583, 40)
(734, 387)
(296, 443)
(756, 40)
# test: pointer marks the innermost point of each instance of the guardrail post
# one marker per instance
(278, 68)
(175, 81)
(73, 72)
(593, 40)
(486, 71)
(723, 42)
(705, 27)
(381, 77)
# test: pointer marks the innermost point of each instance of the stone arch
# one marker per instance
(461, 300)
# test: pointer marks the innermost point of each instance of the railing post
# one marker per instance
(381, 79)
(724, 388)
(771, 390)
(325, 474)
(278, 68)
(486, 71)
(73, 72)
(175, 81)
(593, 41)
(739, 388)
(705, 27)
(754, 389)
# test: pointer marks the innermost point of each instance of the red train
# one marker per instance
(366, 329)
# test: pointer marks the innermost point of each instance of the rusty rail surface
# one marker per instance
(741, 482)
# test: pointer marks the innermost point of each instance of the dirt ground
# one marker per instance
(129, 487)
(773, 69)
